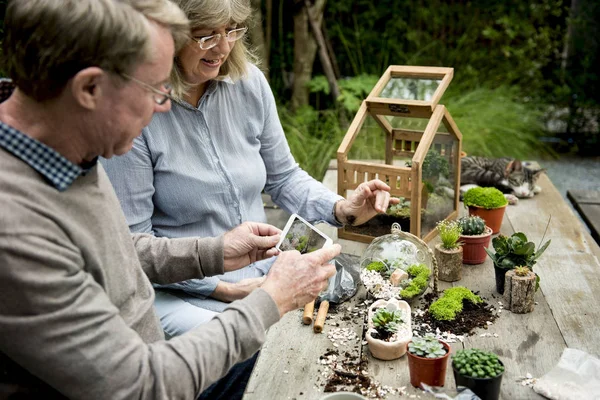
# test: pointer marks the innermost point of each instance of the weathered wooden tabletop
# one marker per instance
(566, 314)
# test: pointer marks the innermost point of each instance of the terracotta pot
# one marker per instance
(492, 217)
(389, 350)
(449, 263)
(431, 371)
(473, 247)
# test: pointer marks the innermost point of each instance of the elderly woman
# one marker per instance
(199, 169)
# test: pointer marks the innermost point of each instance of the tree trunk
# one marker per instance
(305, 51)
(519, 292)
(323, 54)
(573, 14)
(449, 263)
(257, 36)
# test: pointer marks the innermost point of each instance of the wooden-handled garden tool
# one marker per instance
(307, 316)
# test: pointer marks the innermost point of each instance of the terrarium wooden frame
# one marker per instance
(413, 144)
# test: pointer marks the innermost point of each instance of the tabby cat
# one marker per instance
(507, 174)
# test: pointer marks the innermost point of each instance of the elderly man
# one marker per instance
(76, 316)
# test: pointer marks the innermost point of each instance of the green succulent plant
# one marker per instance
(472, 225)
(484, 197)
(449, 233)
(515, 251)
(400, 210)
(427, 346)
(387, 320)
(477, 363)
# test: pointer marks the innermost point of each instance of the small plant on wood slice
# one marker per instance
(477, 363)
(420, 279)
(427, 346)
(450, 304)
(386, 322)
(484, 197)
(472, 225)
(449, 233)
(522, 271)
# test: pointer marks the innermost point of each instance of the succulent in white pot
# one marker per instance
(389, 328)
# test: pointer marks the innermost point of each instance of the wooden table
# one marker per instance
(566, 314)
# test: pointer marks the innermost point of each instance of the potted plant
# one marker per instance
(512, 252)
(427, 360)
(488, 203)
(449, 253)
(481, 371)
(389, 328)
(475, 237)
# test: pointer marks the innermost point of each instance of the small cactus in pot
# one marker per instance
(472, 225)
(475, 237)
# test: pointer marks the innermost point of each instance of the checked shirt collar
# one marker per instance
(54, 167)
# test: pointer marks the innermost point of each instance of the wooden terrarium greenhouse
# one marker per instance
(417, 149)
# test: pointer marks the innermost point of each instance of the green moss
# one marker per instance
(451, 303)
(302, 241)
(485, 197)
(376, 266)
(420, 274)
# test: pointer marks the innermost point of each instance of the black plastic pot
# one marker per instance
(485, 388)
(500, 272)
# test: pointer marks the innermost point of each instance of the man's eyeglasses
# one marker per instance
(208, 42)
(159, 96)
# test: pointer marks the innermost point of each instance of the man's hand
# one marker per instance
(247, 243)
(369, 199)
(296, 279)
(228, 292)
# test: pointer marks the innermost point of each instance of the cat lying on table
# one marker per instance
(508, 175)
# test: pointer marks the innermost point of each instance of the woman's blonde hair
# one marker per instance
(212, 14)
(47, 42)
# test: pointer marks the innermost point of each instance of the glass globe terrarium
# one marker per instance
(398, 265)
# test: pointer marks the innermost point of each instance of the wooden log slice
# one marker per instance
(449, 263)
(519, 292)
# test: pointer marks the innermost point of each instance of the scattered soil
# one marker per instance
(472, 316)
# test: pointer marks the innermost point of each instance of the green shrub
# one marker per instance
(484, 197)
(451, 303)
(477, 363)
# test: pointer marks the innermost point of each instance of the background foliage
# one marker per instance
(523, 70)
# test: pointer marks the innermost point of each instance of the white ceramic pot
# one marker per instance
(397, 348)
(343, 396)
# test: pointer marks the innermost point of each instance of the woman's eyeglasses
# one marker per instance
(208, 42)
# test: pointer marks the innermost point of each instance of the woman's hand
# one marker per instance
(228, 292)
(369, 199)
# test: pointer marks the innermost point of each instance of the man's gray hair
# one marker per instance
(213, 14)
(47, 42)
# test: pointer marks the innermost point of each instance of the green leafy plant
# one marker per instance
(302, 242)
(450, 304)
(427, 346)
(515, 251)
(420, 278)
(449, 233)
(472, 225)
(484, 197)
(477, 363)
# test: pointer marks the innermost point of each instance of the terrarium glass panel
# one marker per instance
(438, 175)
(410, 88)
